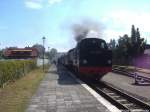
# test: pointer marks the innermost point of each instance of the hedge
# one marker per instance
(14, 69)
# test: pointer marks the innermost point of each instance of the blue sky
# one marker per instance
(25, 22)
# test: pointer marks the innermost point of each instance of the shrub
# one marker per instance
(14, 69)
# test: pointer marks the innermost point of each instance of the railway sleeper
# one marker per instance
(121, 100)
(108, 91)
(128, 104)
(139, 110)
(116, 96)
(111, 93)
(105, 89)
(132, 107)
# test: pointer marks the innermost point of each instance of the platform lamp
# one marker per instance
(43, 51)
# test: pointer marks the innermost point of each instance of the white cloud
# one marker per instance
(126, 18)
(38, 4)
(112, 34)
(51, 2)
(119, 23)
(34, 4)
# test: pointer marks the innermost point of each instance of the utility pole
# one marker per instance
(43, 51)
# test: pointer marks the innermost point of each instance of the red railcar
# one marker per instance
(20, 53)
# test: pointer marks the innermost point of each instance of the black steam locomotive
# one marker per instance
(90, 58)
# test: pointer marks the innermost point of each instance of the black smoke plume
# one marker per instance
(85, 29)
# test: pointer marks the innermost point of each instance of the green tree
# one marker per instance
(1, 53)
(129, 48)
(133, 35)
(140, 43)
(121, 51)
(40, 49)
(138, 36)
(137, 43)
(52, 54)
(112, 44)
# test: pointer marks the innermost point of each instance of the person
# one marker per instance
(54, 62)
(136, 78)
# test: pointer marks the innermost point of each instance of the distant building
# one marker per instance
(20, 53)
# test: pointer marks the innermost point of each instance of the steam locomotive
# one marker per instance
(91, 58)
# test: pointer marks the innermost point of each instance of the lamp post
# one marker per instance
(0, 52)
(43, 51)
(49, 55)
(48, 49)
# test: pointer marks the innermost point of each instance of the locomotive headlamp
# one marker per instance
(109, 61)
(84, 61)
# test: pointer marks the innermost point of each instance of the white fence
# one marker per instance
(40, 61)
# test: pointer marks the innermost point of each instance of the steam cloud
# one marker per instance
(85, 29)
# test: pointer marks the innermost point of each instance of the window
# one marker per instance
(102, 45)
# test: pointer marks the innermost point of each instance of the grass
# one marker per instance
(16, 95)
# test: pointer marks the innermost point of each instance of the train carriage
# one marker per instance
(20, 53)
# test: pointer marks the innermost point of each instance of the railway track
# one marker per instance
(123, 71)
(123, 101)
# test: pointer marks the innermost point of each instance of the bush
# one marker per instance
(14, 69)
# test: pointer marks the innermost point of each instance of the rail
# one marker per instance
(124, 71)
(121, 100)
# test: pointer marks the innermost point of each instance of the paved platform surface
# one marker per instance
(147, 71)
(127, 84)
(59, 92)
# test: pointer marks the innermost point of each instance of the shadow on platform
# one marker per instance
(64, 76)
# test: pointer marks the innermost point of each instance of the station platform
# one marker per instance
(127, 84)
(143, 70)
(61, 92)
